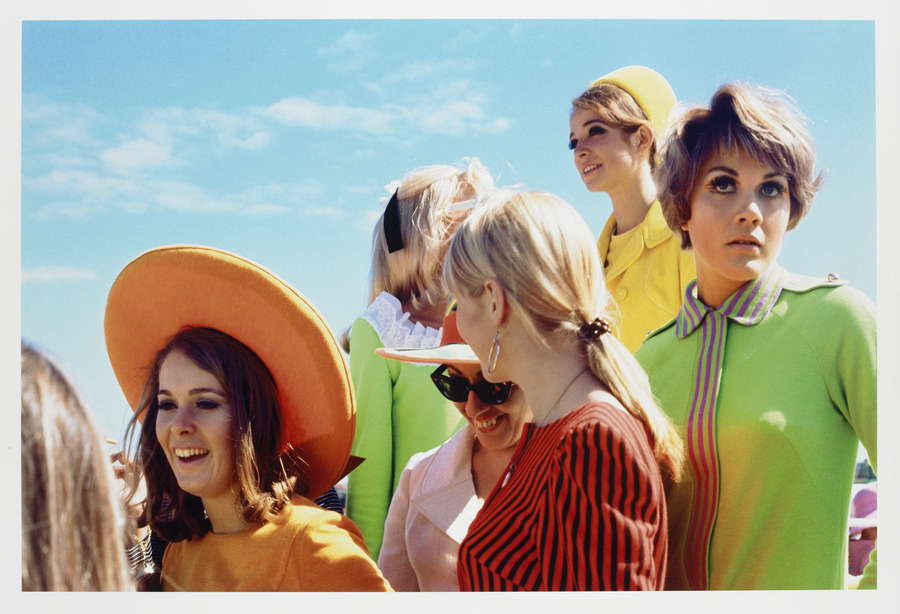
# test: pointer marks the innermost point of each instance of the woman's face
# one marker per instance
(194, 429)
(497, 426)
(739, 214)
(604, 155)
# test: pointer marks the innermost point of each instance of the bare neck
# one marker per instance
(223, 514)
(488, 466)
(632, 202)
(544, 375)
(433, 316)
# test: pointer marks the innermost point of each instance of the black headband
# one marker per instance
(391, 225)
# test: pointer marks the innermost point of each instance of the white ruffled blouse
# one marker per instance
(394, 327)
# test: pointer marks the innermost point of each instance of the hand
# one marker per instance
(123, 469)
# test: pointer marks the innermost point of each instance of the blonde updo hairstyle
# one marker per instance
(424, 200)
(543, 254)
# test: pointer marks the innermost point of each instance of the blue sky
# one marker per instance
(275, 139)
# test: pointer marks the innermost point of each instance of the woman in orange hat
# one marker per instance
(441, 490)
(244, 411)
(614, 131)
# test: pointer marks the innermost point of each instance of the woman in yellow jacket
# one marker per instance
(615, 126)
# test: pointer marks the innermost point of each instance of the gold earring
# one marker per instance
(493, 355)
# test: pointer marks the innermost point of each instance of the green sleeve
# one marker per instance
(854, 384)
(856, 387)
(369, 486)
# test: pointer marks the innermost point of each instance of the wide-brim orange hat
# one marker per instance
(169, 288)
(649, 89)
(453, 350)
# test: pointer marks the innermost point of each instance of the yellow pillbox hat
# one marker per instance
(649, 89)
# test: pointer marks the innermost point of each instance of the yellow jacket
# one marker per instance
(311, 550)
(646, 273)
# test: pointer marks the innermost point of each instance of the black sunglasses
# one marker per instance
(457, 388)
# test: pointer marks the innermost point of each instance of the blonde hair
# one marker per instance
(617, 108)
(424, 198)
(543, 254)
(766, 123)
(73, 520)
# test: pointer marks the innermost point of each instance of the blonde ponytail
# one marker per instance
(614, 365)
(544, 253)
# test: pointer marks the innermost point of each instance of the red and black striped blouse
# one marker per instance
(583, 509)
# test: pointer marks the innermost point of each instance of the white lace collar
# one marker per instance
(394, 328)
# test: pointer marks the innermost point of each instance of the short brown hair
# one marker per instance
(764, 122)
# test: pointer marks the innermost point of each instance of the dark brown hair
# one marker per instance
(266, 477)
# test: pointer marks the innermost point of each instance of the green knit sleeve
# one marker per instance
(369, 486)
(857, 367)
(853, 384)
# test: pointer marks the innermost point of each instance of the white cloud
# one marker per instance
(79, 193)
(302, 198)
(188, 198)
(365, 223)
(61, 124)
(371, 216)
(88, 186)
(79, 163)
(67, 209)
(455, 118)
(419, 71)
(138, 154)
(453, 108)
(173, 136)
(350, 52)
(50, 274)
(264, 209)
(302, 112)
(320, 211)
(233, 131)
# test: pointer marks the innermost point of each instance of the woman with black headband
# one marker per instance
(406, 309)
(440, 491)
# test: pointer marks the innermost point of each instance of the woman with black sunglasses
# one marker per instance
(440, 491)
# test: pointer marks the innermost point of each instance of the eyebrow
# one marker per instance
(731, 171)
(588, 123)
(194, 391)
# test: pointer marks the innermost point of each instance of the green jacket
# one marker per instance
(399, 413)
(765, 496)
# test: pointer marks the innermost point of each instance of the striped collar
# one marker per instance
(748, 306)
